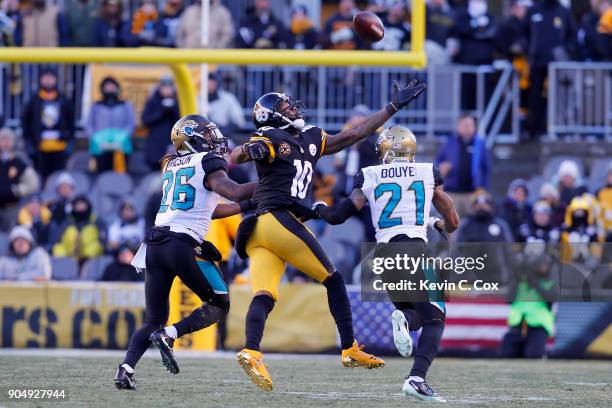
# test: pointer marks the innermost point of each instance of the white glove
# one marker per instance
(432, 222)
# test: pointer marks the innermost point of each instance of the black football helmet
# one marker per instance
(195, 134)
(267, 112)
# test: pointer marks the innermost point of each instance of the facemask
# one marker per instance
(110, 96)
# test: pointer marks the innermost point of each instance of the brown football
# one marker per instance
(368, 26)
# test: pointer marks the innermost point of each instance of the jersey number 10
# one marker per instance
(386, 220)
(302, 179)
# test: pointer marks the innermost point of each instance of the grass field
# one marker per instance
(302, 381)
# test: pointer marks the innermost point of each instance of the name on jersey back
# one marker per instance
(393, 172)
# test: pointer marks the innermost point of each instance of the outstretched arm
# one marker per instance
(224, 210)
(445, 206)
(400, 98)
(228, 188)
(342, 211)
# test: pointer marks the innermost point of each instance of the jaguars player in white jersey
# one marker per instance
(400, 193)
(193, 180)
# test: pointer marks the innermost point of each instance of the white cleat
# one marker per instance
(421, 390)
(401, 337)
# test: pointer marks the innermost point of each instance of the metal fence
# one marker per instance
(330, 93)
(580, 99)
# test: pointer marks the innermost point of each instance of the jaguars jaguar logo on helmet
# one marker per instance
(195, 133)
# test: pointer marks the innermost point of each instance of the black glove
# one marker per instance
(401, 97)
(256, 150)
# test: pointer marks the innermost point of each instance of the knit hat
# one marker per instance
(568, 168)
(64, 178)
(21, 232)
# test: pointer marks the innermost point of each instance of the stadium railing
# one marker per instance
(580, 99)
(330, 93)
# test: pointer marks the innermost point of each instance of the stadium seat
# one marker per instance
(552, 165)
(113, 183)
(81, 184)
(4, 241)
(533, 185)
(93, 269)
(78, 161)
(599, 172)
(136, 163)
(64, 268)
(350, 232)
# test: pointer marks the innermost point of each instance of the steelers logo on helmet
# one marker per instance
(284, 149)
(261, 115)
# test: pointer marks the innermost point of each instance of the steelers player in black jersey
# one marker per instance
(286, 151)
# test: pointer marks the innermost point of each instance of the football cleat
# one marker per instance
(124, 380)
(252, 363)
(401, 337)
(421, 390)
(356, 357)
(164, 344)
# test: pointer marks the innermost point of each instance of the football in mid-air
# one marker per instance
(368, 26)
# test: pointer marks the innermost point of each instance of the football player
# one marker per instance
(175, 246)
(400, 193)
(286, 151)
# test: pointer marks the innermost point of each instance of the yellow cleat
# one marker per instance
(356, 357)
(252, 362)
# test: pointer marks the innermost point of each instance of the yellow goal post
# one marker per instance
(177, 59)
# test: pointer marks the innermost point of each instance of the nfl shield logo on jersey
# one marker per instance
(312, 149)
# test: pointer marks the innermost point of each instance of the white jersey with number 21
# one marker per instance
(400, 194)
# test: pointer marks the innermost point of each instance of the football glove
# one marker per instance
(401, 97)
(317, 205)
(432, 223)
(257, 150)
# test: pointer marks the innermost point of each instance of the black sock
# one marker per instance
(413, 319)
(428, 347)
(259, 309)
(139, 343)
(201, 318)
(340, 308)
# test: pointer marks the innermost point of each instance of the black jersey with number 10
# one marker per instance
(286, 176)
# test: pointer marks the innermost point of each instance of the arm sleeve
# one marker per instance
(359, 179)
(212, 163)
(438, 179)
(338, 213)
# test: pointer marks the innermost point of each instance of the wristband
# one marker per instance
(391, 108)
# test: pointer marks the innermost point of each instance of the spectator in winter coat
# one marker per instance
(128, 229)
(224, 109)
(81, 236)
(167, 26)
(551, 35)
(17, 180)
(305, 36)
(516, 210)
(25, 261)
(61, 205)
(160, 113)
(142, 29)
(121, 270)
(221, 31)
(109, 27)
(338, 32)
(261, 29)
(80, 19)
(475, 29)
(48, 126)
(41, 25)
(36, 216)
(110, 125)
(465, 163)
